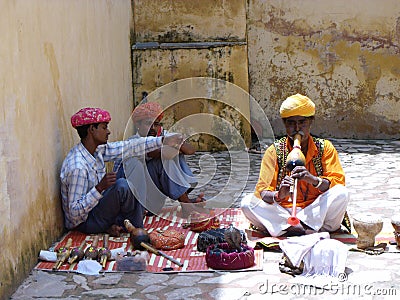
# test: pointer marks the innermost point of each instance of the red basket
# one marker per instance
(229, 260)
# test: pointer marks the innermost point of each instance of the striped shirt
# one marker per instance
(81, 172)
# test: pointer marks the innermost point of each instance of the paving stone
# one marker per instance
(82, 281)
(150, 278)
(153, 288)
(188, 280)
(184, 293)
(112, 293)
(44, 284)
(109, 279)
(151, 297)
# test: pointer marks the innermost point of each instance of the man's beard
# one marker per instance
(152, 132)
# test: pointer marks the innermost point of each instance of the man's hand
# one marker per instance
(174, 140)
(108, 180)
(284, 188)
(301, 173)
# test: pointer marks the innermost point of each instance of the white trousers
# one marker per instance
(324, 214)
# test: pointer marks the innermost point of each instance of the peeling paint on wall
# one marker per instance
(155, 68)
(186, 21)
(343, 57)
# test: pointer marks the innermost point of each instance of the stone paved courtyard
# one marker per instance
(373, 178)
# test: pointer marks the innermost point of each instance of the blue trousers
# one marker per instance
(118, 203)
(162, 179)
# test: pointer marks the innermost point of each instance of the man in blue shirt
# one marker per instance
(168, 174)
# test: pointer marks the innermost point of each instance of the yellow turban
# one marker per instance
(297, 105)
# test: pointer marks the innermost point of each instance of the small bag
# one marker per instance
(214, 236)
(167, 239)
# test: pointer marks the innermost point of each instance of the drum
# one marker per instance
(367, 227)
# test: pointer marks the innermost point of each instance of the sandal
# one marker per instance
(375, 250)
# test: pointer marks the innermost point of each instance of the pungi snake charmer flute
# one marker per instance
(104, 252)
(62, 255)
(77, 253)
(92, 252)
(294, 159)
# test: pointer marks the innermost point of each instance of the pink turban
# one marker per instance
(297, 105)
(90, 115)
(149, 110)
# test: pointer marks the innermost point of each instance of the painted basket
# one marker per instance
(227, 260)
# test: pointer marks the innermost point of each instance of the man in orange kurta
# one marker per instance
(322, 197)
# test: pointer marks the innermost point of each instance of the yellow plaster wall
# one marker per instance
(188, 21)
(343, 54)
(56, 57)
(191, 39)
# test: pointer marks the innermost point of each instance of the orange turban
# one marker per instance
(297, 105)
(148, 110)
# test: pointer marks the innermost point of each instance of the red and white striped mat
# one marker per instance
(192, 260)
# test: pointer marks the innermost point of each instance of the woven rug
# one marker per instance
(193, 261)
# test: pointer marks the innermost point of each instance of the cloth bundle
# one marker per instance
(167, 239)
(316, 255)
(133, 262)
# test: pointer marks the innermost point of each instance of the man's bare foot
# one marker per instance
(199, 199)
(193, 205)
(189, 208)
(115, 230)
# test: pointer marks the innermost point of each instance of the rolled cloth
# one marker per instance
(297, 105)
(148, 110)
(90, 115)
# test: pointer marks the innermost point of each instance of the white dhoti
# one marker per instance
(324, 214)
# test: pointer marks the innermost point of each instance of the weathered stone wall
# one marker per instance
(180, 39)
(343, 54)
(55, 58)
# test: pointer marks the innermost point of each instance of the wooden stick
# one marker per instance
(158, 252)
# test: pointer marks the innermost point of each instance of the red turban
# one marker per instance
(90, 115)
(149, 110)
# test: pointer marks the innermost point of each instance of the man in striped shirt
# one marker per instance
(93, 200)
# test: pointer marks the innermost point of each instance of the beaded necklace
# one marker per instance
(282, 152)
